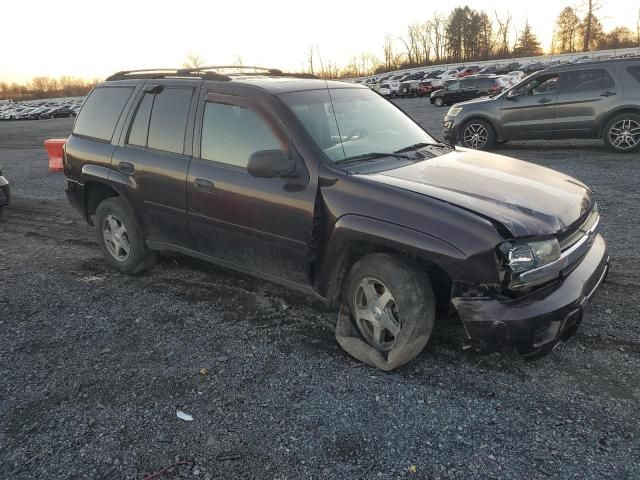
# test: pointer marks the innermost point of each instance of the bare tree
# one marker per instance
(504, 27)
(389, 55)
(566, 32)
(592, 7)
(438, 26)
(194, 61)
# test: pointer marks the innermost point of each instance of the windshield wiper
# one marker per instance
(372, 156)
(417, 146)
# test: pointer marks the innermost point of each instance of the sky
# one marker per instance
(90, 38)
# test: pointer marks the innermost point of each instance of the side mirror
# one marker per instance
(512, 95)
(271, 164)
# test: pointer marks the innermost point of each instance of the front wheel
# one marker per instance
(438, 102)
(477, 134)
(120, 237)
(392, 309)
(622, 133)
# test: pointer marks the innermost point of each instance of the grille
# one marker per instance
(575, 234)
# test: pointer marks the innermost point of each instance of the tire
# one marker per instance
(392, 291)
(438, 102)
(117, 232)
(622, 133)
(477, 134)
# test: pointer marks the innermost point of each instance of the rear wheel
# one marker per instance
(622, 133)
(477, 134)
(438, 102)
(392, 307)
(120, 237)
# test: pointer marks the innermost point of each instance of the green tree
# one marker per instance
(528, 44)
(566, 34)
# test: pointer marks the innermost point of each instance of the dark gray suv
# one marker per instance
(591, 100)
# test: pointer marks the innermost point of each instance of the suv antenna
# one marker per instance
(333, 110)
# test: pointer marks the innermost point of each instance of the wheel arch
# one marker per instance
(479, 116)
(354, 237)
(614, 113)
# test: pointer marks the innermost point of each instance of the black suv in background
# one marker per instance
(328, 188)
(466, 89)
(589, 100)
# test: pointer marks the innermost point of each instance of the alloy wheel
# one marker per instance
(115, 237)
(625, 134)
(376, 314)
(475, 136)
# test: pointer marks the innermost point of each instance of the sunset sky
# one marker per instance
(89, 39)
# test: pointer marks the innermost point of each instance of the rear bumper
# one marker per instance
(535, 323)
(75, 195)
(5, 192)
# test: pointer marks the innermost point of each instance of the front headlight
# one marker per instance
(453, 111)
(521, 257)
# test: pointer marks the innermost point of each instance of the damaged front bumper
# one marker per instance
(536, 322)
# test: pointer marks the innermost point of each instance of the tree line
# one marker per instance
(46, 87)
(465, 35)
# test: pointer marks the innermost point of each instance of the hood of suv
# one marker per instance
(527, 199)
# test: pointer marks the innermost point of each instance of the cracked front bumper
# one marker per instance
(535, 323)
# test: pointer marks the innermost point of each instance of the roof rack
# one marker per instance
(206, 73)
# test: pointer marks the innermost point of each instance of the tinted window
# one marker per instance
(635, 71)
(540, 85)
(232, 134)
(485, 82)
(581, 80)
(468, 83)
(140, 124)
(169, 119)
(101, 111)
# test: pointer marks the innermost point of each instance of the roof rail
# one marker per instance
(164, 73)
(270, 71)
(206, 73)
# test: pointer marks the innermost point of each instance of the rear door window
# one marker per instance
(468, 84)
(140, 125)
(592, 79)
(485, 82)
(100, 113)
(168, 122)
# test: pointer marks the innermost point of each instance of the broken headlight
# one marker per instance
(520, 256)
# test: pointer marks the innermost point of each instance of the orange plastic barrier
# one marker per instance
(54, 147)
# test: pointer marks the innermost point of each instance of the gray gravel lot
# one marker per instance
(95, 364)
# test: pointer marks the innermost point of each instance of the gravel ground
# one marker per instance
(94, 365)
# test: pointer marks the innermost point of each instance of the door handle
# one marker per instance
(544, 100)
(608, 94)
(126, 168)
(203, 185)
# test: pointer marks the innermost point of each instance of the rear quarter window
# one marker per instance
(635, 72)
(101, 111)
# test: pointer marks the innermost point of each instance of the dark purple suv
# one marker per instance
(328, 188)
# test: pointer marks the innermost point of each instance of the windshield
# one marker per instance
(363, 123)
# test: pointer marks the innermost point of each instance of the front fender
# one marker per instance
(354, 230)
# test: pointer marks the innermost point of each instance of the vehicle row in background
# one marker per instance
(40, 109)
(424, 82)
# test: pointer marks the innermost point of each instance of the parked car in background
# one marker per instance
(409, 85)
(427, 87)
(468, 71)
(5, 192)
(448, 75)
(466, 89)
(590, 100)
